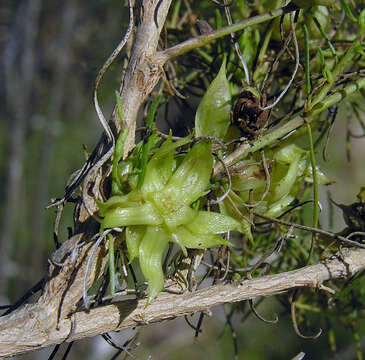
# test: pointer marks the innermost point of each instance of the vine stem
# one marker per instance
(315, 189)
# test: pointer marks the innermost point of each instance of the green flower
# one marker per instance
(160, 211)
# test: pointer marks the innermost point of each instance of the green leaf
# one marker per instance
(228, 209)
(309, 3)
(213, 115)
(362, 22)
(348, 11)
(248, 43)
(152, 112)
(251, 177)
(151, 252)
(146, 149)
(119, 149)
(322, 177)
(111, 264)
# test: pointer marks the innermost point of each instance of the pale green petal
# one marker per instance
(142, 215)
(134, 236)
(284, 187)
(130, 200)
(198, 241)
(191, 178)
(178, 241)
(161, 165)
(151, 252)
(207, 222)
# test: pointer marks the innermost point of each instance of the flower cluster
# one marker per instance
(166, 209)
(287, 166)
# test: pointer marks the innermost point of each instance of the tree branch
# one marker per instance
(142, 74)
(35, 326)
(207, 38)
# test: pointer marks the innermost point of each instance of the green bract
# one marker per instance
(160, 210)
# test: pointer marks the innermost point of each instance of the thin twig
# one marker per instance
(89, 177)
(318, 231)
(295, 324)
(225, 194)
(294, 72)
(254, 311)
(236, 45)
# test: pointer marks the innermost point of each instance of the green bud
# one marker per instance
(213, 115)
(362, 22)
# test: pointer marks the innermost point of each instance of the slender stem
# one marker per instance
(205, 39)
(315, 189)
(306, 64)
(111, 264)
